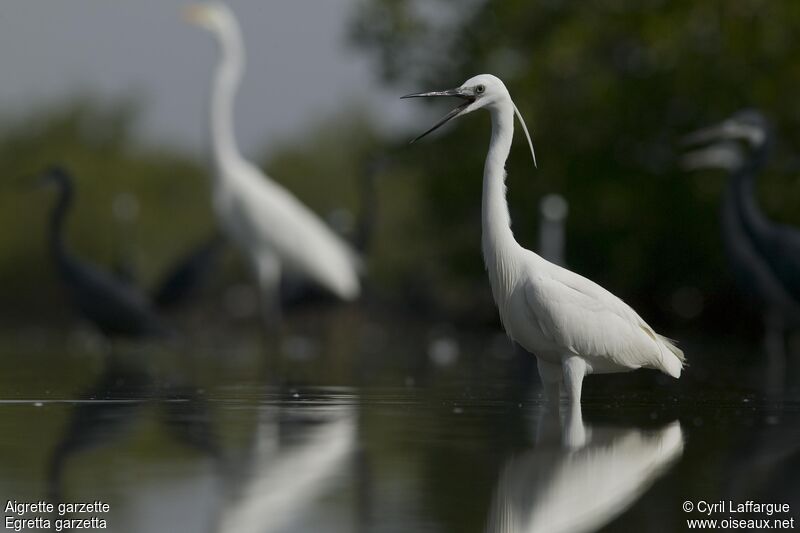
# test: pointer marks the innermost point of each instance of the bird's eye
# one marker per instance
(480, 89)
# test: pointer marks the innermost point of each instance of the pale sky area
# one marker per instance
(300, 66)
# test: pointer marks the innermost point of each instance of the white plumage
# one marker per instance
(573, 326)
(273, 228)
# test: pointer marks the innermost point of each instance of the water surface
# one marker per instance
(379, 431)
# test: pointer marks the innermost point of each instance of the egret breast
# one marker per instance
(522, 327)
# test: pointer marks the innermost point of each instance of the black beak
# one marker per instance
(460, 93)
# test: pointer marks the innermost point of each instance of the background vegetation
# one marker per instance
(608, 87)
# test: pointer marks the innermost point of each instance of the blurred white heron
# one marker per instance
(572, 325)
(272, 227)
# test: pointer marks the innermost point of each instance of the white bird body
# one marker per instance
(553, 312)
(279, 232)
(573, 326)
(271, 226)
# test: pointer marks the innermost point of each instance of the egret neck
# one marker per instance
(227, 76)
(500, 249)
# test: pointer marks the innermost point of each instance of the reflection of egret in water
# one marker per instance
(763, 255)
(112, 305)
(107, 410)
(283, 482)
(555, 488)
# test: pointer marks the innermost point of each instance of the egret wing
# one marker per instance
(269, 217)
(584, 318)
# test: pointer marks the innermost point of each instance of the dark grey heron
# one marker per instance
(115, 307)
(184, 279)
(764, 255)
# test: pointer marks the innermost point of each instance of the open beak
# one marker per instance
(448, 117)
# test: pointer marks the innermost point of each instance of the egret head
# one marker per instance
(215, 17)
(484, 90)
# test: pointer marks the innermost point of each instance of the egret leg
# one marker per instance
(574, 431)
(575, 434)
(574, 369)
(268, 272)
(551, 380)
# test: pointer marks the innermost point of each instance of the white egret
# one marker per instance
(272, 227)
(573, 326)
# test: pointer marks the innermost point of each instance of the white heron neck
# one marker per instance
(226, 81)
(499, 246)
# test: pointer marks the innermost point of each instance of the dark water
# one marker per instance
(381, 428)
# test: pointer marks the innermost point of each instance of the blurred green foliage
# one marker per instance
(608, 87)
(165, 194)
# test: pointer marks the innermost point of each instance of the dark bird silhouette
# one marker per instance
(764, 255)
(184, 280)
(115, 307)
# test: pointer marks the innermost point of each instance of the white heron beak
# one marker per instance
(460, 93)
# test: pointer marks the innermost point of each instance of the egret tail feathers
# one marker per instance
(672, 358)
